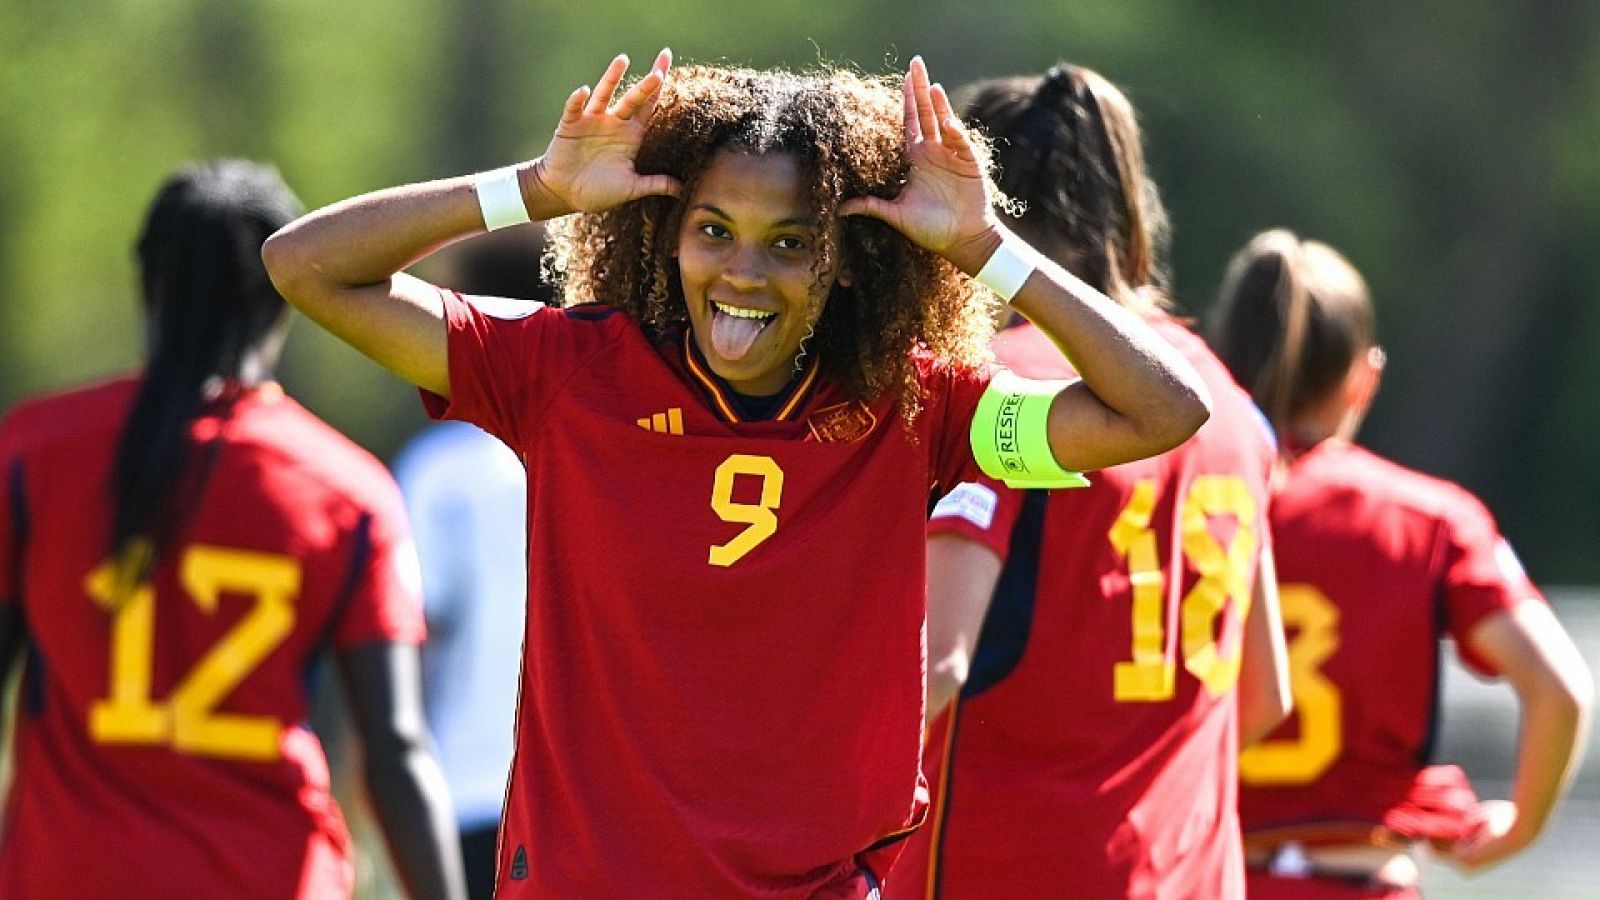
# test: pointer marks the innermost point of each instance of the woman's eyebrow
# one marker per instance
(781, 223)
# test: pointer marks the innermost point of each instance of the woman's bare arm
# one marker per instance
(341, 265)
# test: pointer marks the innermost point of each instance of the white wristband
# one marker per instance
(1008, 269)
(500, 198)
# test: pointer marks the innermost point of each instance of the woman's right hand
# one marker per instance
(588, 166)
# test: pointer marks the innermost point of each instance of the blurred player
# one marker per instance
(730, 454)
(177, 551)
(1092, 750)
(1376, 564)
(466, 494)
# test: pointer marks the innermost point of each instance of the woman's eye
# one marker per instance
(713, 229)
(789, 243)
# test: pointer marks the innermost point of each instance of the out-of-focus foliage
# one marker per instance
(1447, 148)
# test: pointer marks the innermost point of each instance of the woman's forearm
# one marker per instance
(366, 239)
(1548, 747)
(1138, 397)
(1554, 690)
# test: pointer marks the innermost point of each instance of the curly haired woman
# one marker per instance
(769, 358)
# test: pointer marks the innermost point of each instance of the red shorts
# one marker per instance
(1265, 886)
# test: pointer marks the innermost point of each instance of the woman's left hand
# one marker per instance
(1494, 837)
(945, 205)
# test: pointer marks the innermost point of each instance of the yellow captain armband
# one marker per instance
(1010, 434)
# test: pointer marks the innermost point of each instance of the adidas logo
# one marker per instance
(669, 422)
(519, 864)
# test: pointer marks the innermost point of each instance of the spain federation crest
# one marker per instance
(842, 423)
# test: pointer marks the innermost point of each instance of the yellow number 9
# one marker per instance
(760, 520)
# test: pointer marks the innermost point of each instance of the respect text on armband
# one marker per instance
(1006, 427)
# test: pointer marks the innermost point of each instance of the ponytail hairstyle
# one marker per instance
(1070, 160)
(208, 306)
(1292, 317)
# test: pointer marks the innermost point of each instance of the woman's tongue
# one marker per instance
(732, 336)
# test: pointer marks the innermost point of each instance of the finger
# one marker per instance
(656, 185)
(952, 133)
(635, 98)
(574, 108)
(942, 110)
(607, 85)
(873, 207)
(920, 88)
(660, 67)
(913, 126)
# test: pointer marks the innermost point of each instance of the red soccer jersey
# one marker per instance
(722, 680)
(1376, 563)
(160, 746)
(1092, 751)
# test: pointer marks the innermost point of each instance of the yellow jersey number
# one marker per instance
(1150, 675)
(188, 721)
(759, 519)
(1317, 702)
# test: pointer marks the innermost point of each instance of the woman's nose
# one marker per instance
(746, 269)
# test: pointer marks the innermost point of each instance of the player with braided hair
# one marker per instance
(178, 550)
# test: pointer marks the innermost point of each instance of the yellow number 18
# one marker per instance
(1149, 676)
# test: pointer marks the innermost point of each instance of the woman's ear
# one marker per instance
(844, 278)
(1366, 373)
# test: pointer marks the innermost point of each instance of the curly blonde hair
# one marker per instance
(845, 129)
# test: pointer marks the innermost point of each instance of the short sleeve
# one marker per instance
(981, 511)
(1480, 574)
(13, 514)
(385, 588)
(504, 357)
(953, 394)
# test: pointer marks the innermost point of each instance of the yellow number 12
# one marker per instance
(188, 721)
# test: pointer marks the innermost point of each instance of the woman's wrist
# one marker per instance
(500, 197)
(971, 254)
(542, 202)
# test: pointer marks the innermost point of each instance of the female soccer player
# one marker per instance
(1376, 563)
(730, 453)
(177, 550)
(1092, 750)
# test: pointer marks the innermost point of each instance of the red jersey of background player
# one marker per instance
(1375, 564)
(1092, 750)
(159, 742)
(722, 680)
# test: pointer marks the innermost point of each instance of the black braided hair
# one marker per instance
(208, 304)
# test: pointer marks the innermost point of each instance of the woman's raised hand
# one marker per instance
(588, 166)
(945, 205)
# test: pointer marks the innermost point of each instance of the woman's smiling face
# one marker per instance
(747, 259)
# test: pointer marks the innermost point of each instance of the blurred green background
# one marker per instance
(1446, 147)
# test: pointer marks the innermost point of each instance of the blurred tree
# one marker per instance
(1446, 147)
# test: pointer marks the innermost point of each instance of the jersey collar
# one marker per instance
(722, 398)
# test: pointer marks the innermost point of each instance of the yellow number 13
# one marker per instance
(188, 721)
(1317, 702)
